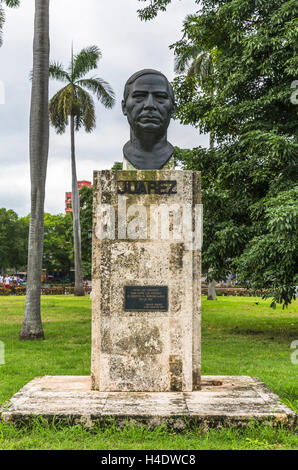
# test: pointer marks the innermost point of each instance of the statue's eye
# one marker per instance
(139, 96)
(161, 96)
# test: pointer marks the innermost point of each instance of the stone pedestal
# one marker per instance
(146, 281)
(223, 401)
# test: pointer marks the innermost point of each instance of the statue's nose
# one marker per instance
(149, 103)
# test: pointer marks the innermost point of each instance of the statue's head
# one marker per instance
(148, 102)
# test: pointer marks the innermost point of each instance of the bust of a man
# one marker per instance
(149, 105)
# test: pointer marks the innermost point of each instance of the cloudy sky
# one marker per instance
(127, 45)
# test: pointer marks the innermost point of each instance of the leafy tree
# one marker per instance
(8, 3)
(39, 146)
(21, 242)
(86, 201)
(150, 12)
(198, 63)
(13, 240)
(223, 237)
(249, 179)
(73, 103)
(270, 257)
(7, 227)
(117, 166)
(58, 250)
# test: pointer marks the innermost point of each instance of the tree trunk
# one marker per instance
(79, 288)
(211, 291)
(39, 146)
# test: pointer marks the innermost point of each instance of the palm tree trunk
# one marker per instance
(79, 288)
(39, 146)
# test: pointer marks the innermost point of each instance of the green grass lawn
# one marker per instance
(240, 336)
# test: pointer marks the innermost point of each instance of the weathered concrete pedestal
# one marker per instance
(221, 402)
(146, 281)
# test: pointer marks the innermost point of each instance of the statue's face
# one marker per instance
(149, 107)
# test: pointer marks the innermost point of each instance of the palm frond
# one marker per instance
(8, 3)
(181, 62)
(60, 108)
(86, 116)
(201, 65)
(2, 21)
(101, 89)
(85, 61)
(57, 121)
(207, 65)
(184, 59)
(56, 71)
(12, 3)
(66, 101)
(74, 98)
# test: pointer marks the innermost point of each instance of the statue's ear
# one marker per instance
(123, 104)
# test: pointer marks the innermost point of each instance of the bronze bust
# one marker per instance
(149, 105)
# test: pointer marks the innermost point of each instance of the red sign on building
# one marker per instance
(68, 195)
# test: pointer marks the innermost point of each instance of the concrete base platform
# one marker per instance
(223, 401)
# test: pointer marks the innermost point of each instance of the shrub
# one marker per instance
(61, 290)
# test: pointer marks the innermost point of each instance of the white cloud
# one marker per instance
(15, 187)
(127, 45)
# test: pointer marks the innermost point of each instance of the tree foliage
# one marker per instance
(58, 243)
(249, 180)
(86, 202)
(150, 11)
(58, 252)
(13, 240)
(8, 3)
(117, 166)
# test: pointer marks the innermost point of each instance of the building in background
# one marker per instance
(68, 195)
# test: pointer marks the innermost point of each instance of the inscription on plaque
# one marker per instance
(146, 298)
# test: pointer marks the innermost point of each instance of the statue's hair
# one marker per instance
(140, 73)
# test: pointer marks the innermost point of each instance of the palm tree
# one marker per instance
(8, 3)
(73, 104)
(39, 145)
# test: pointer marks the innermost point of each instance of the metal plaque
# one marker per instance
(146, 298)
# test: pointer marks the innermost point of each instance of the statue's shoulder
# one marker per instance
(170, 165)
